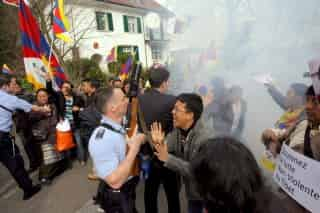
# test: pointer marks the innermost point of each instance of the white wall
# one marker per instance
(83, 19)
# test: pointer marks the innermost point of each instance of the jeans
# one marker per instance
(80, 147)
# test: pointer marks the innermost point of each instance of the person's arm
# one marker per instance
(277, 96)
(27, 107)
(179, 165)
(162, 151)
(120, 175)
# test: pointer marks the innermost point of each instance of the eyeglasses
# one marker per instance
(175, 109)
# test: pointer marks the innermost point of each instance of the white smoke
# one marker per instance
(251, 37)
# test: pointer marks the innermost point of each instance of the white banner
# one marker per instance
(299, 177)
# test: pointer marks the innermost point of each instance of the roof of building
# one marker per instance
(142, 4)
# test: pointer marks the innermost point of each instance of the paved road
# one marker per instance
(69, 193)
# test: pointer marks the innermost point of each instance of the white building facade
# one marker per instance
(98, 26)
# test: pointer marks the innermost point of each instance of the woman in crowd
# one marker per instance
(43, 128)
(229, 179)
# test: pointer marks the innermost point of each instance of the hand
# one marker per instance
(157, 134)
(75, 108)
(47, 109)
(47, 76)
(135, 142)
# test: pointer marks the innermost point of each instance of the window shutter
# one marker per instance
(126, 24)
(110, 21)
(139, 25)
(136, 50)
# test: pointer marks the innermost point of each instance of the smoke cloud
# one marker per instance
(249, 38)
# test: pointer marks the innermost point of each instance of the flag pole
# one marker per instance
(51, 45)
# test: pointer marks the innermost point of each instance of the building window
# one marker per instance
(104, 21)
(132, 24)
(127, 49)
(156, 53)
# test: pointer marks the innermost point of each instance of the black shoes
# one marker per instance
(29, 194)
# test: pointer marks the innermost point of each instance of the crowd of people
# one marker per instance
(193, 140)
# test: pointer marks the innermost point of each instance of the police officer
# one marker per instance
(113, 155)
(9, 152)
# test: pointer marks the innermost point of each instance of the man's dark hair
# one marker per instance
(228, 177)
(158, 76)
(103, 96)
(310, 91)
(68, 82)
(193, 104)
(4, 80)
(42, 90)
(93, 82)
(86, 80)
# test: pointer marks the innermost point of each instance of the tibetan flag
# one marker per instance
(61, 24)
(112, 57)
(36, 52)
(11, 2)
(125, 69)
(6, 70)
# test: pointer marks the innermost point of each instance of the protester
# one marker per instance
(89, 87)
(43, 129)
(292, 103)
(107, 147)
(216, 110)
(9, 151)
(69, 105)
(126, 86)
(238, 111)
(156, 105)
(303, 137)
(183, 143)
(228, 179)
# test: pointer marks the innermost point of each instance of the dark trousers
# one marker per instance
(195, 206)
(161, 175)
(31, 150)
(118, 201)
(11, 158)
(99, 198)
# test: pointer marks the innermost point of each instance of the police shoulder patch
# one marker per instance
(100, 133)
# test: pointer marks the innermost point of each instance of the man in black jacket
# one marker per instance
(155, 105)
(69, 105)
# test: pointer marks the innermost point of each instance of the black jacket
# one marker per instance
(89, 119)
(60, 101)
(156, 106)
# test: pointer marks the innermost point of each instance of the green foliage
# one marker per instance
(25, 85)
(84, 68)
